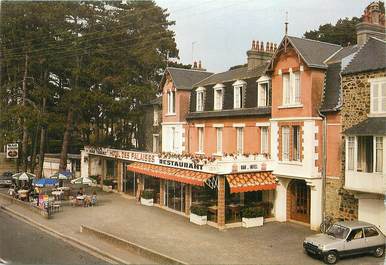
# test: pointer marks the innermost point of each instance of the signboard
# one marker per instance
(123, 154)
(12, 150)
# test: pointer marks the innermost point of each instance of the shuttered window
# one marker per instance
(285, 143)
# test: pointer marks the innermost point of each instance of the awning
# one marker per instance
(251, 181)
(171, 173)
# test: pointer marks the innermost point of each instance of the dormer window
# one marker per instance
(378, 96)
(200, 99)
(238, 94)
(218, 96)
(291, 88)
(263, 91)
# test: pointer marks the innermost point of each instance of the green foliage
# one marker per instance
(199, 210)
(148, 194)
(252, 212)
(108, 182)
(342, 33)
(86, 57)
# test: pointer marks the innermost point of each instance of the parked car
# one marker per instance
(345, 239)
(6, 179)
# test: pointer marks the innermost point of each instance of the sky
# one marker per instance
(219, 32)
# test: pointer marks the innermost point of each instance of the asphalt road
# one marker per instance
(24, 244)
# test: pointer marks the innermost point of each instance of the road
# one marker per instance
(24, 244)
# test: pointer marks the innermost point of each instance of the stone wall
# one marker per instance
(356, 106)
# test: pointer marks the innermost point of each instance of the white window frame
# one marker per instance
(238, 93)
(264, 140)
(155, 117)
(218, 89)
(291, 88)
(381, 147)
(200, 97)
(155, 143)
(285, 143)
(260, 82)
(171, 102)
(200, 131)
(381, 97)
(240, 140)
(219, 140)
(351, 144)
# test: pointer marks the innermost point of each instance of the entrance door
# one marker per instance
(300, 197)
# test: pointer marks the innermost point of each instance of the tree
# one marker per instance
(342, 33)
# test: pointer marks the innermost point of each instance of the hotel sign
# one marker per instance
(123, 154)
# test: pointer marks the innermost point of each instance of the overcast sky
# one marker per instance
(222, 30)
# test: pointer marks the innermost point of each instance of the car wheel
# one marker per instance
(330, 257)
(379, 252)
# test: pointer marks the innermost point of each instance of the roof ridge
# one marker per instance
(191, 70)
(317, 41)
(355, 54)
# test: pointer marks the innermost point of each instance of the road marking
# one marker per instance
(2, 261)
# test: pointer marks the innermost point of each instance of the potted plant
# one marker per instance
(147, 197)
(198, 214)
(252, 217)
(107, 185)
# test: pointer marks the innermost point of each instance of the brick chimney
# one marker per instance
(372, 24)
(257, 55)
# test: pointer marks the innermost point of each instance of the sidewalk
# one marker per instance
(173, 235)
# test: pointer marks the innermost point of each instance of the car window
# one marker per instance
(370, 231)
(356, 234)
(338, 231)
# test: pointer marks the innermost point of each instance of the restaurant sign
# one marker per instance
(182, 164)
(12, 150)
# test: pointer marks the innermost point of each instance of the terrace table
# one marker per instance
(234, 209)
(213, 210)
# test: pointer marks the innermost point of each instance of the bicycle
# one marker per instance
(326, 223)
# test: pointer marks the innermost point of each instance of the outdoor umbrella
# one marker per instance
(23, 176)
(83, 180)
(64, 175)
(44, 182)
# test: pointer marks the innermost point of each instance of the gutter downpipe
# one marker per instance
(324, 164)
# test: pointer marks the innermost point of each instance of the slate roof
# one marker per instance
(230, 113)
(370, 126)
(313, 52)
(241, 73)
(342, 53)
(371, 56)
(185, 78)
(331, 96)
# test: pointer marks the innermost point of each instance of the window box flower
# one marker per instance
(252, 217)
(147, 197)
(198, 214)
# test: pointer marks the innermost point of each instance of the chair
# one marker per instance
(56, 206)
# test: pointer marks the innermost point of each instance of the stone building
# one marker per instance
(364, 126)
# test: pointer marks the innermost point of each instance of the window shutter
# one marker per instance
(374, 98)
(383, 97)
(297, 87)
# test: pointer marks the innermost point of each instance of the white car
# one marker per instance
(345, 239)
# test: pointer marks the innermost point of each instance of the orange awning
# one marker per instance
(170, 173)
(243, 182)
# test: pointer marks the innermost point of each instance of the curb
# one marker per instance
(73, 241)
(144, 251)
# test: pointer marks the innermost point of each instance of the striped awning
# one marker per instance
(243, 182)
(171, 173)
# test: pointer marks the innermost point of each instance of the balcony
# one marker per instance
(365, 182)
